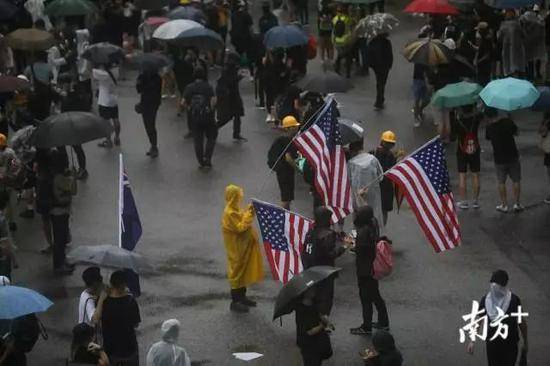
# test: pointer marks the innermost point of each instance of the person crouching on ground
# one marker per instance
(166, 352)
(244, 260)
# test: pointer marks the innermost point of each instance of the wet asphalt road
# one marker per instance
(180, 208)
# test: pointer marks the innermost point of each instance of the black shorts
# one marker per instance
(286, 186)
(471, 161)
(108, 112)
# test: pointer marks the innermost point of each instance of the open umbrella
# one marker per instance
(456, 95)
(110, 256)
(427, 51)
(202, 38)
(151, 4)
(103, 53)
(188, 12)
(543, 102)
(350, 130)
(293, 289)
(151, 61)
(7, 10)
(326, 82)
(511, 4)
(431, 7)
(30, 39)
(18, 301)
(156, 21)
(509, 94)
(12, 83)
(375, 24)
(172, 29)
(285, 36)
(70, 128)
(64, 8)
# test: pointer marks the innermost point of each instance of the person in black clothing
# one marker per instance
(241, 30)
(320, 249)
(149, 85)
(311, 330)
(384, 353)
(503, 351)
(84, 350)
(229, 104)
(501, 132)
(119, 315)
(365, 250)
(276, 78)
(281, 159)
(268, 20)
(380, 60)
(257, 55)
(183, 72)
(468, 152)
(200, 100)
(483, 60)
(387, 160)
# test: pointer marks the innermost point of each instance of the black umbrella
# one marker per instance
(202, 38)
(151, 61)
(7, 10)
(351, 131)
(12, 83)
(103, 53)
(293, 289)
(326, 82)
(151, 4)
(70, 128)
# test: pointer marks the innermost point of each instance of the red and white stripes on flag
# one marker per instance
(424, 178)
(283, 233)
(321, 145)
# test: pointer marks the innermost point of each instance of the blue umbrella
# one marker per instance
(511, 4)
(509, 94)
(543, 103)
(18, 301)
(188, 12)
(285, 36)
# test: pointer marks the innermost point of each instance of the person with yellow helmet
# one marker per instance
(387, 160)
(281, 159)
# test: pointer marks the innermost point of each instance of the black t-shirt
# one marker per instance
(307, 317)
(82, 355)
(466, 128)
(198, 87)
(511, 322)
(320, 248)
(119, 318)
(282, 145)
(501, 134)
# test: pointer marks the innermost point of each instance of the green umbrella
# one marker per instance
(456, 95)
(63, 8)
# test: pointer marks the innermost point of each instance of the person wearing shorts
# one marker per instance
(107, 100)
(466, 125)
(501, 132)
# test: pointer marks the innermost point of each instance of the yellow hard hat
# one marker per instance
(290, 121)
(3, 140)
(388, 136)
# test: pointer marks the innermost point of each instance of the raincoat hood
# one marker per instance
(170, 330)
(233, 197)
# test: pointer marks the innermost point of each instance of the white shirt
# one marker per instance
(107, 88)
(86, 308)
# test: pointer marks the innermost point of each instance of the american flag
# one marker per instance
(424, 178)
(283, 234)
(321, 145)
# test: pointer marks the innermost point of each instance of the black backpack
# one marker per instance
(28, 329)
(200, 110)
(339, 28)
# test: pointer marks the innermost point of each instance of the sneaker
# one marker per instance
(240, 139)
(518, 207)
(249, 302)
(238, 307)
(378, 107)
(475, 204)
(502, 208)
(153, 152)
(547, 200)
(116, 141)
(463, 205)
(360, 331)
(416, 122)
(380, 327)
(82, 174)
(27, 214)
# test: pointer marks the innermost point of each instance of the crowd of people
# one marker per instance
(487, 45)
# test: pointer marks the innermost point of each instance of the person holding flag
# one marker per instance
(244, 260)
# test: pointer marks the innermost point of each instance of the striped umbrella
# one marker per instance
(427, 51)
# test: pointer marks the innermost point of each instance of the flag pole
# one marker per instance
(120, 198)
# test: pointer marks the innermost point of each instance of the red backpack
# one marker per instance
(383, 262)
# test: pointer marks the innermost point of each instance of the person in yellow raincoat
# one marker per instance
(244, 260)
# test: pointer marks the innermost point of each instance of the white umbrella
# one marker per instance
(172, 29)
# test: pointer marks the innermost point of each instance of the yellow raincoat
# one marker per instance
(244, 260)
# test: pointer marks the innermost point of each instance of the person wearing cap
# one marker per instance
(281, 158)
(502, 351)
(387, 160)
(166, 352)
(88, 298)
